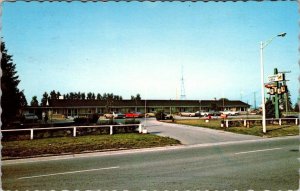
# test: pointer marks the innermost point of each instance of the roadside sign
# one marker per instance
(276, 77)
(270, 85)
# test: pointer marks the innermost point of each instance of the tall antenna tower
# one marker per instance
(182, 91)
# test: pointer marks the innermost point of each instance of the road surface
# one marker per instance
(251, 164)
(190, 135)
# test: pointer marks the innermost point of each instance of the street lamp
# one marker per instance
(262, 46)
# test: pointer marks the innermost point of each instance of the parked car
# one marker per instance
(202, 113)
(29, 117)
(114, 115)
(229, 113)
(169, 116)
(215, 113)
(134, 115)
(187, 114)
(150, 114)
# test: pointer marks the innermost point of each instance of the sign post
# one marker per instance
(277, 87)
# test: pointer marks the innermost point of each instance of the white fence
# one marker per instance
(111, 128)
(245, 121)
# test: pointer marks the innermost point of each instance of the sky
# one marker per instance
(146, 47)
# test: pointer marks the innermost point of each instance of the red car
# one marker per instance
(134, 115)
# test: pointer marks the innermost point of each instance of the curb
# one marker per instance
(131, 151)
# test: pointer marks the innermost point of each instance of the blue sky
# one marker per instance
(130, 48)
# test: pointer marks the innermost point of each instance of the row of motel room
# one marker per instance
(87, 107)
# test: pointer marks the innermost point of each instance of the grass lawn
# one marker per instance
(63, 145)
(272, 130)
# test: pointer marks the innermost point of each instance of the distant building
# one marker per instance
(87, 107)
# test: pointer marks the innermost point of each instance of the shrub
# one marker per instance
(81, 120)
(107, 122)
(132, 121)
(93, 118)
(235, 124)
(160, 115)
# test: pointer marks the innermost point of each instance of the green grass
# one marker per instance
(63, 145)
(272, 130)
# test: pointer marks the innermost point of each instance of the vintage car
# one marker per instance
(29, 117)
(114, 115)
(134, 115)
(229, 113)
(187, 114)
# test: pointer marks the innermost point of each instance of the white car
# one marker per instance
(187, 114)
(228, 112)
(114, 115)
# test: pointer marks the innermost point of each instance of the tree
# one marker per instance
(78, 95)
(136, 98)
(82, 96)
(23, 101)
(34, 102)
(71, 95)
(93, 96)
(66, 96)
(89, 95)
(270, 108)
(53, 95)
(99, 97)
(223, 99)
(296, 108)
(12, 98)
(160, 115)
(58, 95)
(286, 101)
(44, 99)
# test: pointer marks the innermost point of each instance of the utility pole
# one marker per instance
(254, 100)
(182, 93)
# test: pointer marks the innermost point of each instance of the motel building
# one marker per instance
(84, 108)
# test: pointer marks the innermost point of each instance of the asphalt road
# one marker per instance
(190, 135)
(252, 164)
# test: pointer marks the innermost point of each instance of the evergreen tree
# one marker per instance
(296, 108)
(78, 95)
(53, 94)
(12, 98)
(99, 97)
(44, 99)
(286, 101)
(34, 102)
(71, 96)
(89, 95)
(270, 109)
(138, 97)
(93, 96)
(23, 101)
(58, 95)
(67, 96)
(83, 96)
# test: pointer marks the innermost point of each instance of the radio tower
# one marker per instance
(182, 92)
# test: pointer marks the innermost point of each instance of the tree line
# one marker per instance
(53, 95)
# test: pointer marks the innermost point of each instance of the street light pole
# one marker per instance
(262, 88)
(262, 46)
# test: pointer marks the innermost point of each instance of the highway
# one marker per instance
(261, 164)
